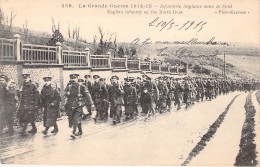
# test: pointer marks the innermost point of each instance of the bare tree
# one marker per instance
(2, 17)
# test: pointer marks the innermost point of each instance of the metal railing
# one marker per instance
(174, 69)
(118, 63)
(145, 66)
(156, 66)
(133, 64)
(74, 58)
(165, 68)
(7, 49)
(39, 54)
(100, 61)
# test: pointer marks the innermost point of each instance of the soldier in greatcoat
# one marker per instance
(100, 98)
(50, 101)
(153, 90)
(116, 100)
(163, 95)
(178, 93)
(77, 97)
(7, 103)
(130, 99)
(29, 104)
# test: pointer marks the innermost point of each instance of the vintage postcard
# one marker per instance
(130, 83)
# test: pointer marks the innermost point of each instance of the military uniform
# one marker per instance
(154, 92)
(178, 93)
(130, 100)
(116, 100)
(100, 99)
(77, 96)
(163, 96)
(29, 105)
(50, 101)
(7, 105)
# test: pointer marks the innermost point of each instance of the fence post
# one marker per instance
(59, 52)
(150, 65)
(168, 67)
(160, 66)
(126, 59)
(177, 69)
(139, 63)
(17, 45)
(109, 59)
(88, 56)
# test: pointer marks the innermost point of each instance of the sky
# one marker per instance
(224, 27)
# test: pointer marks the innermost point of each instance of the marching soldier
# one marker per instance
(187, 93)
(153, 91)
(88, 84)
(116, 99)
(170, 88)
(50, 101)
(130, 99)
(163, 95)
(100, 98)
(29, 104)
(178, 91)
(7, 104)
(77, 96)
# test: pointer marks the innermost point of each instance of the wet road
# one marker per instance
(164, 139)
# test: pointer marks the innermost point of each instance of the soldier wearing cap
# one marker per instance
(115, 92)
(163, 95)
(130, 99)
(7, 104)
(29, 104)
(50, 101)
(152, 89)
(100, 98)
(77, 97)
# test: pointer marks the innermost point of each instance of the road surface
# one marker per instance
(165, 139)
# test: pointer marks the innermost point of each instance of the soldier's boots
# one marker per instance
(55, 130)
(78, 134)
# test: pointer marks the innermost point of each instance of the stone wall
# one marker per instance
(81, 71)
(12, 70)
(39, 71)
(104, 73)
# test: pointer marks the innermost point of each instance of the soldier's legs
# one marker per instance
(10, 125)
(112, 111)
(116, 117)
(55, 130)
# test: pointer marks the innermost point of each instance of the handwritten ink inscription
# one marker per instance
(170, 24)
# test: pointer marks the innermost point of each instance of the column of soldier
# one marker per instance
(82, 96)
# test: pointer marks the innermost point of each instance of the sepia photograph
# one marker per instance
(130, 83)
